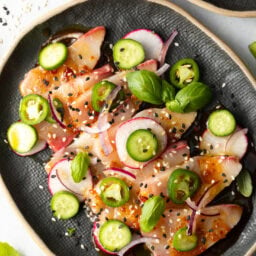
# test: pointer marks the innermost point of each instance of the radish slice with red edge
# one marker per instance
(96, 240)
(119, 172)
(64, 174)
(40, 146)
(55, 114)
(128, 127)
(237, 144)
(150, 65)
(55, 185)
(166, 46)
(151, 42)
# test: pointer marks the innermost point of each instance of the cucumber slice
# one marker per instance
(64, 205)
(221, 123)
(128, 53)
(142, 145)
(53, 56)
(21, 137)
(114, 235)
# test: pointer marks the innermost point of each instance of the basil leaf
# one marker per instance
(151, 213)
(146, 86)
(191, 98)
(79, 166)
(6, 249)
(244, 183)
(168, 91)
(252, 48)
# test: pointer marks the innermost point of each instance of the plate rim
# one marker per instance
(223, 11)
(47, 15)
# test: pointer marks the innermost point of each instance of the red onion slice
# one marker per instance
(118, 171)
(74, 35)
(134, 243)
(162, 69)
(199, 209)
(55, 114)
(166, 47)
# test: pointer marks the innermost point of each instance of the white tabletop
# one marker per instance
(236, 32)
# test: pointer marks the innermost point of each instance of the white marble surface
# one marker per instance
(236, 32)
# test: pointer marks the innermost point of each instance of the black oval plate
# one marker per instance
(23, 176)
(234, 5)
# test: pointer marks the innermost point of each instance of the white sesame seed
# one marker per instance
(41, 187)
(159, 184)
(5, 141)
(49, 135)
(53, 219)
(223, 85)
(122, 118)
(176, 44)
(82, 246)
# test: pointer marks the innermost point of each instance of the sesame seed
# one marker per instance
(41, 187)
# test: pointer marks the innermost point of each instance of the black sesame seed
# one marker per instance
(87, 78)
(155, 114)
(125, 219)
(178, 214)
(56, 78)
(146, 185)
(70, 94)
(164, 235)
(152, 248)
(183, 126)
(162, 169)
(203, 240)
(80, 56)
(122, 49)
(141, 184)
(211, 147)
(182, 130)
(56, 87)
(163, 216)
(145, 150)
(167, 247)
(223, 174)
(53, 176)
(45, 82)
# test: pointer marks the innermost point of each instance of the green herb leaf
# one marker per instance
(146, 86)
(151, 213)
(79, 166)
(191, 98)
(252, 48)
(71, 231)
(244, 183)
(168, 91)
(7, 250)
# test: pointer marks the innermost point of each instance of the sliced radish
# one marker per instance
(95, 234)
(151, 42)
(132, 125)
(176, 153)
(55, 185)
(150, 65)
(64, 174)
(120, 172)
(237, 144)
(40, 146)
(212, 144)
(234, 145)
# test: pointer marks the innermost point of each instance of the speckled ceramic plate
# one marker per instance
(237, 8)
(23, 177)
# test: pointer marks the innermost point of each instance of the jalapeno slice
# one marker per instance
(114, 192)
(184, 72)
(182, 184)
(183, 242)
(33, 109)
(100, 92)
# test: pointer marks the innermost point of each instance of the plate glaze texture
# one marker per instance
(23, 176)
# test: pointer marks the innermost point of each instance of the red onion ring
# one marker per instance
(74, 35)
(199, 208)
(134, 243)
(166, 47)
(162, 69)
(55, 113)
